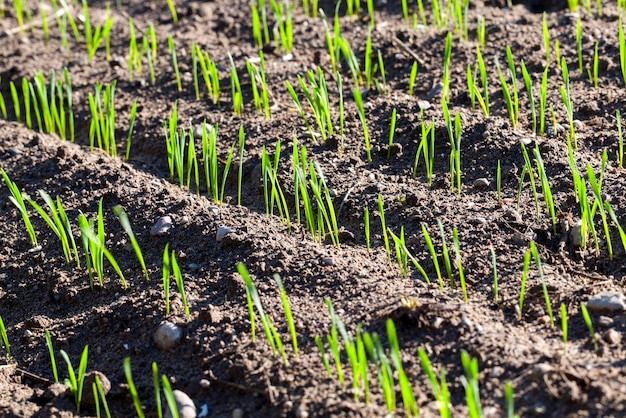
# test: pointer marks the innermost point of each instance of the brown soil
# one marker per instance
(216, 363)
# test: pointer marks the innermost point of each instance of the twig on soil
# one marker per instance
(408, 50)
(32, 24)
(346, 196)
(237, 386)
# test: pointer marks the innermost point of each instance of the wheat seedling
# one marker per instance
(18, 201)
(589, 323)
(75, 381)
(5, 338)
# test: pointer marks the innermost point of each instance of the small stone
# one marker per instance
(328, 261)
(612, 337)
(205, 384)
(513, 215)
(612, 302)
(301, 412)
(222, 231)
(332, 192)
(167, 336)
(575, 236)
(184, 404)
(237, 413)
(605, 321)
(526, 141)
(197, 130)
(193, 266)
(90, 379)
(423, 104)
(162, 226)
(287, 57)
(481, 182)
(578, 125)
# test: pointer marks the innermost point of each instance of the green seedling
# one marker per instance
(358, 99)
(172, 48)
(384, 372)
(544, 288)
(268, 327)
(446, 255)
(235, 88)
(75, 381)
(510, 105)
(563, 310)
(459, 262)
(433, 254)
(412, 78)
(93, 38)
(471, 87)
(403, 256)
(102, 127)
(172, 7)
(259, 85)
(620, 139)
(543, 94)
(59, 224)
(5, 338)
(272, 191)
(408, 399)
(242, 140)
(546, 38)
(95, 249)
(156, 384)
(545, 187)
(447, 52)
(98, 394)
(596, 186)
(482, 97)
(495, 272)
(498, 182)
(3, 106)
(579, 43)
(427, 148)
(318, 98)
(178, 278)
(567, 101)
(210, 76)
(349, 346)
(470, 383)
(131, 126)
(381, 214)
(366, 227)
(531, 99)
(527, 169)
(172, 405)
(454, 134)
(439, 386)
(167, 271)
(509, 400)
(118, 210)
(288, 314)
(131, 387)
(522, 291)
(52, 358)
(392, 131)
(18, 201)
(585, 313)
(595, 66)
(613, 217)
(622, 48)
(481, 31)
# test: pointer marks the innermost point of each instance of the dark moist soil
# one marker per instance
(216, 363)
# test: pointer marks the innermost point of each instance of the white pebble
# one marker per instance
(162, 226)
(222, 231)
(167, 336)
(184, 404)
